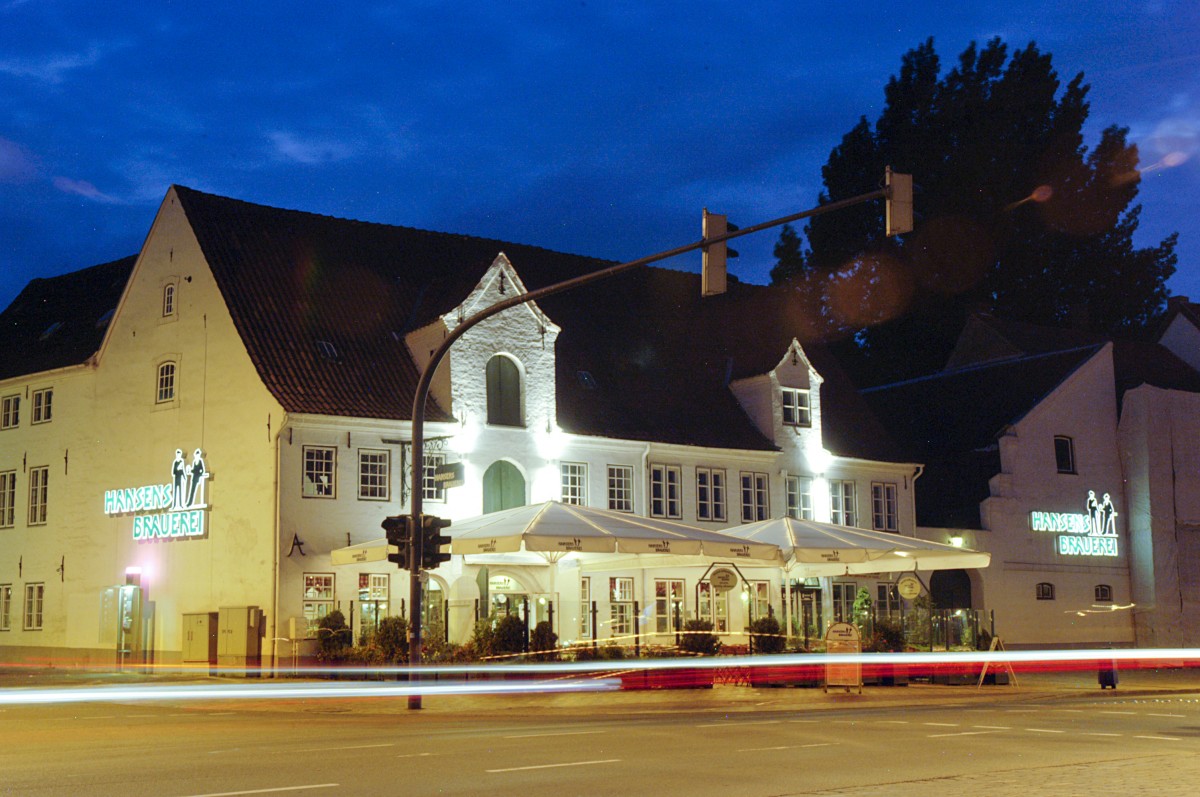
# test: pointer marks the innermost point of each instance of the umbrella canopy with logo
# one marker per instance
(812, 549)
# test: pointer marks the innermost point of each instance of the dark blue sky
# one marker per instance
(593, 127)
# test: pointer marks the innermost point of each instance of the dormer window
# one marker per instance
(327, 350)
(796, 408)
(168, 302)
(504, 392)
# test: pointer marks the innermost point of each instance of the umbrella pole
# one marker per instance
(787, 606)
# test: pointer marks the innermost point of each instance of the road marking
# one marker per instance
(267, 791)
(347, 747)
(1175, 716)
(1124, 713)
(1099, 733)
(1070, 710)
(1042, 730)
(414, 755)
(543, 766)
(784, 747)
(734, 722)
(961, 733)
(802, 720)
(563, 733)
(1021, 710)
(942, 724)
(892, 722)
(993, 727)
(1161, 738)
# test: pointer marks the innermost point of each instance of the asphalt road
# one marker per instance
(1084, 744)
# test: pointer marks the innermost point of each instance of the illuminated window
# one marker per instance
(39, 479)
(585, 607)
(1104, 593)
(5, 607)
(320, 464)
(759, 599)
(710, 494)
(8, 499)
(713, 607)
(664, 491)
(754, 497)
(796, 410)
(431, 489)
(168, 304)
(799, 497)
(10, 412)
(668, 605)
(1045, 591)
(843, 503)
(373, 593)
(887, 599)
(318, 599)
(574, 483)
(34, 594)
(844, 593)
(43, 405)
(373, 474)
(883, 507)
(166, 383)
(620, 597)
(620, 488)
(1064, 454)
(504, 392)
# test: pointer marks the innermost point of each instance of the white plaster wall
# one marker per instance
(1183, 340)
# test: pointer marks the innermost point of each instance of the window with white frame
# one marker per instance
(887, 599)
(620, 488)
(843, 503)
(373, 593)
(431, 488)
(799, 497)
(5, 607)
(664, 491)
(43, 405)
(574, 483)
(373, 474)
(1064, 454)
(39, 480)
(8, 499)
(1044, 591)
(320, 467)
(759, 599)
(34, 594)
(620, 597)
(710, 494)
(10, 412)
(168, 304)
(844, 593)
(713, 607)
(318, 600)
(585, 607)
(883, 506)
(796, 409)
(1104, 593)
(165, 392)
(668, 605)
(754, 497)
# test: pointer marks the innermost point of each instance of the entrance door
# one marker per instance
(503, 487)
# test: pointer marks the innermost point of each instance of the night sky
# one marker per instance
(600, 128)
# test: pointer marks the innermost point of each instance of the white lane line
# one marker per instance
(553, 766)
(267, 791)
(1099, 733)
(894, 722)
(1020, 710)
(738, 724)
(347, 747)
(993, 727)
(961, 733)
(1123, 713)
(414, 755)
(802, 720)
(942, 724)
(1043, 730)
(562, 733)
(1174, 716)
(1161, 738)
(784, 747)
(1069, 710)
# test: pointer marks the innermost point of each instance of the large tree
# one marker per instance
(1015, 214)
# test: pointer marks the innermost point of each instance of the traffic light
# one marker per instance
(398, 531)
(432, 541)
(712, 270)
(898, 203)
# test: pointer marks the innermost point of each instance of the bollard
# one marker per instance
(1107, 675)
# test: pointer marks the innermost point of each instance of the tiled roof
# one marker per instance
(60, 321)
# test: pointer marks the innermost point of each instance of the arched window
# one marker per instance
(504, 406)
(1104, 593)
(503, 487)
(1045, 591)
(166, 383)
(168, 306)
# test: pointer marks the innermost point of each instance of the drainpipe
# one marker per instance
(916, 475)
(645, 480)
(275, 556)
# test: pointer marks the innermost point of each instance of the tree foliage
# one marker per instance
(1015, 215)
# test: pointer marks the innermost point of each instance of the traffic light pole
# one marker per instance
(426, 379)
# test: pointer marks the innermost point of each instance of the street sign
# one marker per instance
(723, 579)
(449, 475)
(374, 551)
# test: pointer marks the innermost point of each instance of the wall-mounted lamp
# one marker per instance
(956, 541)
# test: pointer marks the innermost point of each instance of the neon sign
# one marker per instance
(166, 511)
(1091, 533)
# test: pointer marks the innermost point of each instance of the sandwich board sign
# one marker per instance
(843, 638)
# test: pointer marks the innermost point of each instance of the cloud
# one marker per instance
(84, 189)
(311, 151)
(16, 163)
(54, 68)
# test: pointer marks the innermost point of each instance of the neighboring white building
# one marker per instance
(203, 423)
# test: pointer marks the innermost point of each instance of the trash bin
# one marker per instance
(1107, 675)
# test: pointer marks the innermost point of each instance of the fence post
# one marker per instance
(595, 613)
(637, 630)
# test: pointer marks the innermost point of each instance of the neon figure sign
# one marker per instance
(166, 511)
(1093, 533)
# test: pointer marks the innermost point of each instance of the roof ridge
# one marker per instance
(990, 364)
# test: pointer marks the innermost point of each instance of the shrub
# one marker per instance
(888, 636)
(767, 635)
(510, 635)
(699, 639)
(391, 637)
(333, 636)
(544, 641)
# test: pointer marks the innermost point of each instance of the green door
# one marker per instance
(503, 487)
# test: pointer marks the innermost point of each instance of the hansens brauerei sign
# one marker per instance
(168, 511)
(1091, 533)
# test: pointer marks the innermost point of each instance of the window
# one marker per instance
(373, 474)
(504, 392)
(42, 405)
(883, 507)
(1045, 591)
(8, 499)
(1104, 593)
(620, 488)
(574, 483)
(710, 494)
(664, 491)
(842, 503)
(166, 383)
(754, 497)
(168, 307)
(668, 605)
(39, 479)
(1064, 454)
(5, 607)
(844, 593)
(318, 599)
(759, 599)
(796, 410)
(799, 497)
(320, 463)
(10, 412)
(585, 607)
(373, 591)
(621, 602)
(887, 600)
(431, 489)
(713, 607)
(34, 593)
